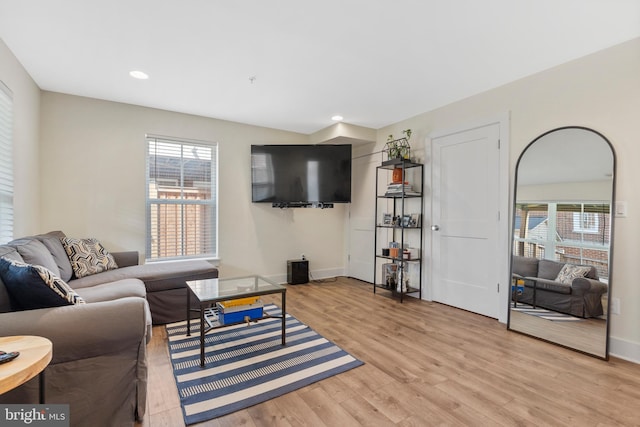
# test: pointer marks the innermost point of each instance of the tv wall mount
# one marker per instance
(317, 205)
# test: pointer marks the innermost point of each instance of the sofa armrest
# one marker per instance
(85, 330)
(584, 285)
(126, 258)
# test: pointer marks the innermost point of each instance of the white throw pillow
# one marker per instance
(571, 271)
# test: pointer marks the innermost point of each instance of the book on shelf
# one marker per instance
(398, 189)
(399, 193)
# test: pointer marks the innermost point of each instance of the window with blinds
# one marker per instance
(182, 199)
(6, 164)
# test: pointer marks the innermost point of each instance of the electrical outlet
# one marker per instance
(615, 305)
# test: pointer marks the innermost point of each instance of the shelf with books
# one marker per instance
(398, 236)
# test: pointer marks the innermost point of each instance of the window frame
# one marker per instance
(6, 165)
(212, 201)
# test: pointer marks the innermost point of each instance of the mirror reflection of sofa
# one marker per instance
(578, 296)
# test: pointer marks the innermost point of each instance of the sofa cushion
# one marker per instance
(34, 252)
(171, 275)
(156, 276)
(87, 256)
(593, 273)
(34, 286)
(9, 252)
(52, 241)
(548, 269)
(572, 271)
(525, 266)
(113, 290)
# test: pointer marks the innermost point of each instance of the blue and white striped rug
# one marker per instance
(545, 314)
(247, 365)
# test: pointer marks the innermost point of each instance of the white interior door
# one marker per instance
(360, 262)
(361, 250)
(466, 254)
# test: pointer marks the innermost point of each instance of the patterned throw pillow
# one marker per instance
(571, 271)
(33, 286)
(87, 256)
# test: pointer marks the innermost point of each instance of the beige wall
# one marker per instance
(93, 184)
(600, 91)
(26, 111)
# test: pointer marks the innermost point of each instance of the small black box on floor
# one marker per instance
(297, 271)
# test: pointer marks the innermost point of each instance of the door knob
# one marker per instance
(435, 227)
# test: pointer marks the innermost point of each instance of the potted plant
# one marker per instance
(399, 148)
(393, 149)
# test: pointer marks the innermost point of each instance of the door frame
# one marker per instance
(504, 207)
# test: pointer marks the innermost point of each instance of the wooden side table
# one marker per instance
(35, 355)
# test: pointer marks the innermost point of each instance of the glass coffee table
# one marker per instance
(210, 291)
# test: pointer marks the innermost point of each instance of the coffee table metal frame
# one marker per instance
(210, 291)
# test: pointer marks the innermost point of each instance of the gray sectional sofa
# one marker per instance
(582, 297)
(99, 364)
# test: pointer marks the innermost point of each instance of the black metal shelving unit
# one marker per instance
(398, 202)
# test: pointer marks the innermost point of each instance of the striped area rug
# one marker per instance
(545, 314)
(247, 365)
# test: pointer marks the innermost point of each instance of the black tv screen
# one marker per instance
(301, 174)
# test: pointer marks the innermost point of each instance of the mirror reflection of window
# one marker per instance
(577, 233)
(313, 181)
(263, 176)
(585, 222)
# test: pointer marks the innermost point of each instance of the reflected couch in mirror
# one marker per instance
(562, 227)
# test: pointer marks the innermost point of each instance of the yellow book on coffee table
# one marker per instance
(239, 301)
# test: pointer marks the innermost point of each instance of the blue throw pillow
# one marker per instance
(33, 286)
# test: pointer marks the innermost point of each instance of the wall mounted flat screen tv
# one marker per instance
(298, 175)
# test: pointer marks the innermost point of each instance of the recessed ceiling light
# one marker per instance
(139, 75)
(337, 118)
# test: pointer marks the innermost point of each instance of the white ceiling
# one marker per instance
(375, 62)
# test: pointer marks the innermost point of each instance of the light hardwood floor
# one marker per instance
(425, 364)
(588, 335)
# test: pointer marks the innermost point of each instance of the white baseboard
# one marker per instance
(326, 273)
(313, 275)
(624, 349)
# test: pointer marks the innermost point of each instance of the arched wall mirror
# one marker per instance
(562, 245)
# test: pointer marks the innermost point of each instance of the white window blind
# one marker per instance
(6, 164)
(182, 199)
